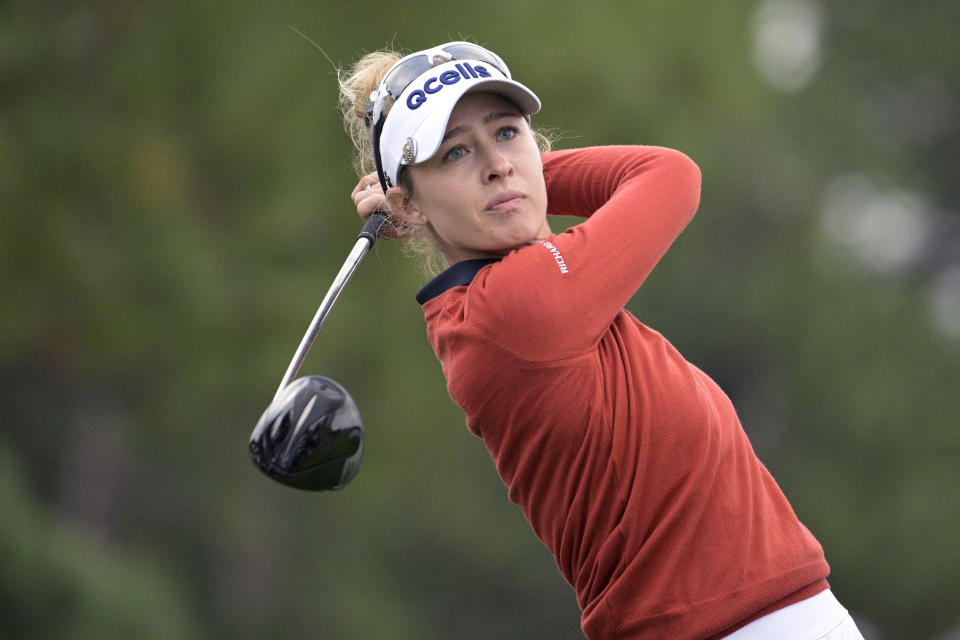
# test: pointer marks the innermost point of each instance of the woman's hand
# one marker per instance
(368, 197)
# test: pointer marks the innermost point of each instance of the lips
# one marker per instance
(505, 201)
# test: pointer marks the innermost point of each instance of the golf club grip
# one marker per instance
(373, 226)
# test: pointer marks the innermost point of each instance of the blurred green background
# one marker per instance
(175, 185)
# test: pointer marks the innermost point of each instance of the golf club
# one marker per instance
(311, 435)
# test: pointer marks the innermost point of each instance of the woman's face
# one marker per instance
(482, 191)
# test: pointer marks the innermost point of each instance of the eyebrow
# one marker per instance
(487, 119)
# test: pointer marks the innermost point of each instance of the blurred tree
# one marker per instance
(174, 186)
(57, 581)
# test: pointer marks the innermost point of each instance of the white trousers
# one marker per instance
(820, 617)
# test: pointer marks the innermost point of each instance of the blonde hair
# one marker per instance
(355, 90)
(356, 85)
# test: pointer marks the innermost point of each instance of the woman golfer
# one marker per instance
(629, 462)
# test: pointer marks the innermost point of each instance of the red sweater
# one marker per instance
(628, 461)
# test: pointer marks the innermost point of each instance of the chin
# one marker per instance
(522, 241)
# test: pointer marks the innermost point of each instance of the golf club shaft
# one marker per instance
(371, 230)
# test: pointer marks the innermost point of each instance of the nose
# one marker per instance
(497, 166)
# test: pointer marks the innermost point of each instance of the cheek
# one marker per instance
(449, 215)
(539, 188)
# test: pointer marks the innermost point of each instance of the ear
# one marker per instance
(403, 206)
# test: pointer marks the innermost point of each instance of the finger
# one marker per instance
(372, 179)
(369, 191)
(368, 205)
(371, 197)
(367, 182)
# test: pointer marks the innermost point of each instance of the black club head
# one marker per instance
(310, 437)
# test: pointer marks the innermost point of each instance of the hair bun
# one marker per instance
(355, 89)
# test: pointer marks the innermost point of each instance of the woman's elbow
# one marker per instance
(687, 181)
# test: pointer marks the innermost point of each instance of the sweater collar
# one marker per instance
(457, 275)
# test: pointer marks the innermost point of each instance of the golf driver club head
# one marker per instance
(310, 437)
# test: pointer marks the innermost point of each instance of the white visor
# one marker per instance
(416, 123)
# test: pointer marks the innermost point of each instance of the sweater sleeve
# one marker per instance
(553, 299)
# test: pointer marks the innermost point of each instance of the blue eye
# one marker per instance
(506, 133)
(455, 153)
